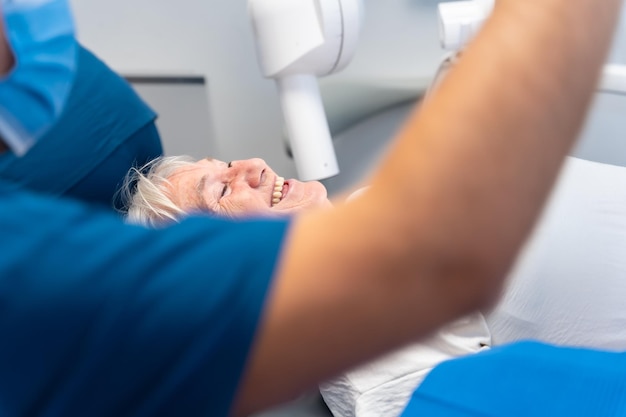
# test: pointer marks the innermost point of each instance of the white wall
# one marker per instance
(193, 37)
(183, 122)
(398, 54)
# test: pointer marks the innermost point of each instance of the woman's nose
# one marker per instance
(251, 171)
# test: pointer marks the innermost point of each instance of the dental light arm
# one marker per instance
(298, 41)
(459, 21)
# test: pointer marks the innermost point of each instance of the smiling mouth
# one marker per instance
(277, 195)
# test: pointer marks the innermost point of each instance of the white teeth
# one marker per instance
(278, 191)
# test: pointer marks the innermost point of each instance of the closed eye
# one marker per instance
(225, 189)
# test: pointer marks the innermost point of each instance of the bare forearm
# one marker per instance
(448, 210)
(490, 144)
(6, 56)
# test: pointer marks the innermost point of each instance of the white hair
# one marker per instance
(146, 193)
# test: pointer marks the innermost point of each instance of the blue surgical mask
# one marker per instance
(41, 36)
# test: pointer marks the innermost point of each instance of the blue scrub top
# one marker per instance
(99, 318)
(105, 128)
(523, 380)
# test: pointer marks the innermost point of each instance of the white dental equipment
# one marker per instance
(459, 21)
(298, 41)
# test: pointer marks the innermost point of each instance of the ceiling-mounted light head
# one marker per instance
(297, 42)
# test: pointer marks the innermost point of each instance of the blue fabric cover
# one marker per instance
(99, 318)
(104, 130)
(525, 379)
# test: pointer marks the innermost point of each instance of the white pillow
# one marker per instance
(569, 284)
(383, 388)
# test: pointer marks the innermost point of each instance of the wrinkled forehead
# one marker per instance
(192, 171)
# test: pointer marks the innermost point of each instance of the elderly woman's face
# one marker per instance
(242, 187)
